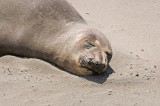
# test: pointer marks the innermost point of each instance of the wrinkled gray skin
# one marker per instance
(52, 30)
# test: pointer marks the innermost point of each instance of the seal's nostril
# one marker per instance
(98, 65)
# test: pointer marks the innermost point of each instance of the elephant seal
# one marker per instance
(53, 31)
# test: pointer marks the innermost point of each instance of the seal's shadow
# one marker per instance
(94, 78)
(100, 78)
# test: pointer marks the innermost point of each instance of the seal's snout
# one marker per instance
(95, 62)
(97, 67)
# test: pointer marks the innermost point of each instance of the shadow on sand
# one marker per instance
(100, 78)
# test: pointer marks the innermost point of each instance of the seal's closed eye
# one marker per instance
(88, 44)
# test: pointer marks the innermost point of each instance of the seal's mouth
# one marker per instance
(94, 71)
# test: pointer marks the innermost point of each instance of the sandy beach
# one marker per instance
(133, 27)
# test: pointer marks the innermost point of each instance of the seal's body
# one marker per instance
(52, 30)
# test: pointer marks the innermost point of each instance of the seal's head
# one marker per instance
(92, 51)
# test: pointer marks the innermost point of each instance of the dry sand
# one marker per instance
(134, 29)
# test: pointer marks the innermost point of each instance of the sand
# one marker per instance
(134, 29)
